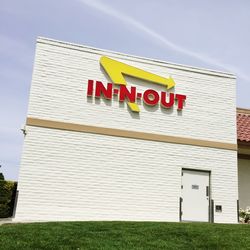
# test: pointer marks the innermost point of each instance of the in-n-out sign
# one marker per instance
(116, 70)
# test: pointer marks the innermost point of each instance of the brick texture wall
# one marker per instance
(80, 176)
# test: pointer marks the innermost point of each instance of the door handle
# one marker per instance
(207, 190)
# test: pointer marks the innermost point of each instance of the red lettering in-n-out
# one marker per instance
(150, 97)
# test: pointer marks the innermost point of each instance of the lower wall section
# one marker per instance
(81, 176)
(244, 182)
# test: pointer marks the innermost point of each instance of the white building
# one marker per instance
(97, 158)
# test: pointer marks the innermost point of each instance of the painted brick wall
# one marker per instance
(79, 176)
(58, 92)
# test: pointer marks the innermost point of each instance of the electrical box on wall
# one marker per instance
(218, 208)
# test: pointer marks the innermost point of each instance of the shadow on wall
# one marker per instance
(135, 115)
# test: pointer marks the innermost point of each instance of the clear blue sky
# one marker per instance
(212, 34)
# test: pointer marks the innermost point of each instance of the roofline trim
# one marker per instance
(243, 110)
(134, 58)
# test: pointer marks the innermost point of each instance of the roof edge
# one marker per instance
(243, 111)
(243, 143)
(136, 58)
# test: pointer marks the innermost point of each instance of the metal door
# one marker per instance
(195, 196)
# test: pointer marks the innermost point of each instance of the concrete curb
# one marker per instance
(5, 221)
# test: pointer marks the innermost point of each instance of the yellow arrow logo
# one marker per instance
(116, 70)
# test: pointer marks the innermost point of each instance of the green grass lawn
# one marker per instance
(124, 235)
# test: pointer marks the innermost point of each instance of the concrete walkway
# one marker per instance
(5, 221)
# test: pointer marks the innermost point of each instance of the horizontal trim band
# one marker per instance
(127, 134)
(243, 111)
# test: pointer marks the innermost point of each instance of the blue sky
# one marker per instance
(210, 34)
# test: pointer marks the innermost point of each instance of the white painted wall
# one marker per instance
(58, 92)
(78, 176)
(244, 182)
